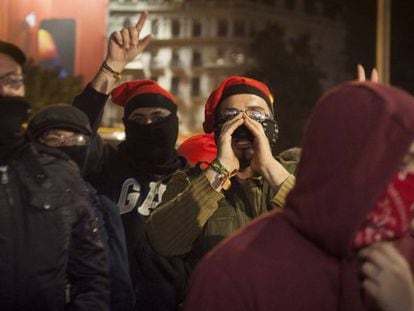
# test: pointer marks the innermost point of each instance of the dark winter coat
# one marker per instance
(113, 237)
(50, 251)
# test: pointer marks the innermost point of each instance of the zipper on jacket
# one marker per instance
(4, 175)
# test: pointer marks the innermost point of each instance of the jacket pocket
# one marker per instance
(220, 225)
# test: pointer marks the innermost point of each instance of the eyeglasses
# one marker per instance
(12, 80)
(256, 113)
(55, 140)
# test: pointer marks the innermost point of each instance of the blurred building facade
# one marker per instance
(197, 43)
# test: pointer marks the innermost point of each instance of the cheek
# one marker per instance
(13, 92)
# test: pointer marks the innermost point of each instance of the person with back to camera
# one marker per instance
(306, 258)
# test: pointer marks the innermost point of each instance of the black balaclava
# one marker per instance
(70, 118)
(152, 143)
(14, 111)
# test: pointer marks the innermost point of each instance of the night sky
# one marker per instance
(402, 44)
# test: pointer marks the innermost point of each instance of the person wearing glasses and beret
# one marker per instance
(52, 257)
(204, 205)
(66, 128)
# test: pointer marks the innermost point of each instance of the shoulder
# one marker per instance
(289, 158)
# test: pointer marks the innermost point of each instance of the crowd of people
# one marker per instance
(223, 222)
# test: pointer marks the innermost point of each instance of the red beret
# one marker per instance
(197, 148)
(216, 97)
(122, 94)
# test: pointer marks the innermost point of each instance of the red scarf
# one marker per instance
(391, 217)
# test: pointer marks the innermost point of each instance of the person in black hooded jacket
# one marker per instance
(66, 128)
(51, 257)
(135, 173)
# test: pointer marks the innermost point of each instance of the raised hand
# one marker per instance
(262, 155)
(124, 45)
(225, 153)
(263, 161)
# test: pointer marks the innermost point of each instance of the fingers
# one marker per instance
(371, 288)
(371, 271)
(383, 254)
(375, 255)
(361, 77)
(125, 38)
(129, 37)
(117, 37)
(141, 21)
(230, 126)
(374, 75)
(144, 42)
(133, 34)
(361, 73)
(255, 127)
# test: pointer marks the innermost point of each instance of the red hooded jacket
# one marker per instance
(302, 259)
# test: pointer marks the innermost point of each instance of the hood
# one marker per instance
(356, 138)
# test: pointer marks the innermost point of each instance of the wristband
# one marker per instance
(223, 174)
(115, 74)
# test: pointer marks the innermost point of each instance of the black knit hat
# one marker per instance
(13, 51)
(59, 116)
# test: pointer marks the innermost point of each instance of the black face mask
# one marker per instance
(77, 154)
(271, 130)
(83, 156)
(13, 112)
(152, 143)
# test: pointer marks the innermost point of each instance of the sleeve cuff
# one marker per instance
(280, 197)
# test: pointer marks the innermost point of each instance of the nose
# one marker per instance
(67, 143)
(147, 120)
